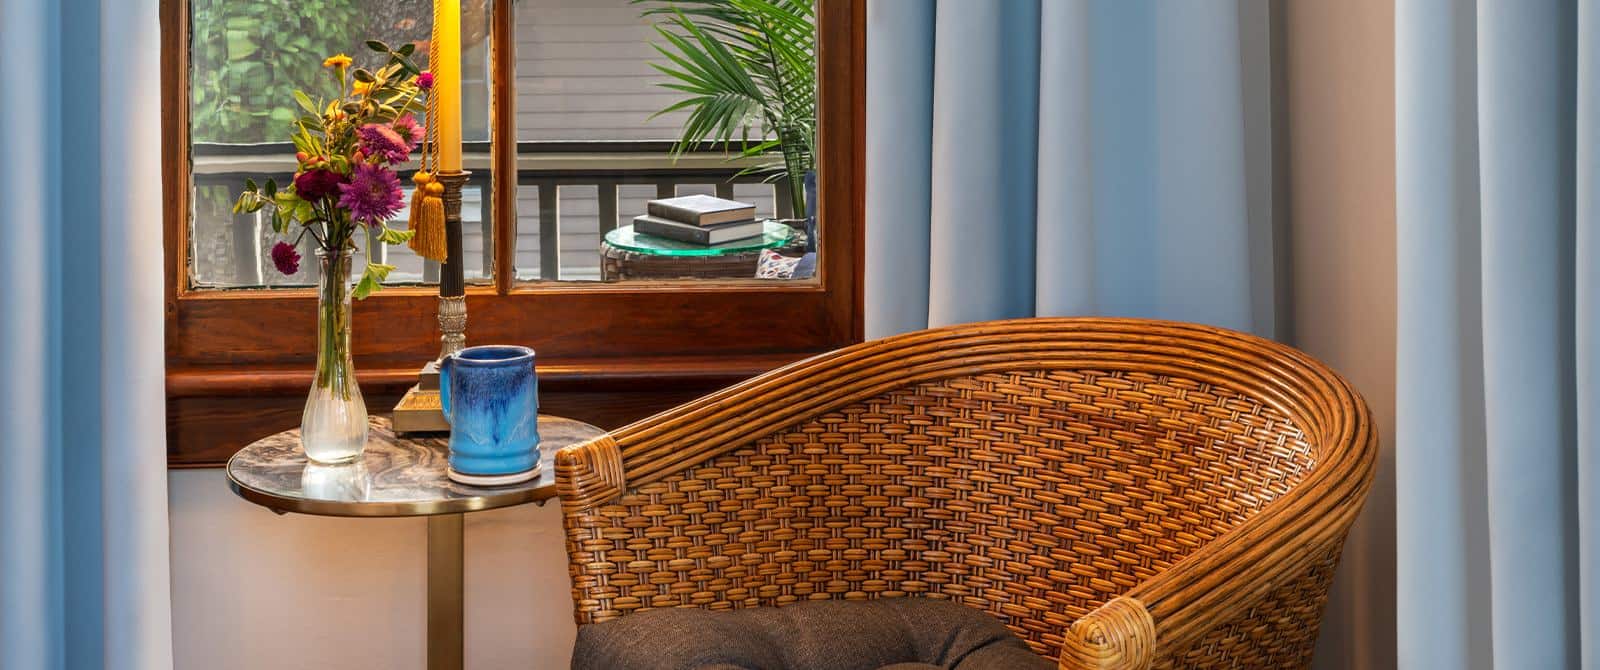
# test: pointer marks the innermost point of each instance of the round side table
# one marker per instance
(399, 476)
(625, 254)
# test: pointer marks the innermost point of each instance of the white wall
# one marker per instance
(1340, 59)
(252, 590)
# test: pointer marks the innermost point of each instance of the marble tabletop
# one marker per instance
(396, 476)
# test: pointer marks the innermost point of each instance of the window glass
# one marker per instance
(246, 60)
(605, 121)
(603, 97)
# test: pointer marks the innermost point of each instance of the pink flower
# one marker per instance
(316, 184)
(285, 258)
(408, 127)
(425, 81)
(383, 142)
(373, 194)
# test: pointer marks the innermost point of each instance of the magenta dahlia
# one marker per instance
(285, 258)
(372, 195)
(383, 142)
(317, 184)
(425, 81)
(408, 128)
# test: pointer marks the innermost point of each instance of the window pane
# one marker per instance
(583, 73)
(595, 144)
(247, 57)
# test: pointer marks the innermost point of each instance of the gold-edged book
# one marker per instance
(419, 412)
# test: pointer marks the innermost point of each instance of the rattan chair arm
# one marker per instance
(1119, 635)
(1233, 574)
(1124, 634)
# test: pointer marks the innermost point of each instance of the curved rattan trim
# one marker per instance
(680, 438)
(1119, 634)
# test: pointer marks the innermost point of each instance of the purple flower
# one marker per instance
(373, 194)
(425, 81)
(384, 143)
(408, 128)
(285, 258)
(314, 185)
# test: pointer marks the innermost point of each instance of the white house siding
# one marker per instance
(583, 73)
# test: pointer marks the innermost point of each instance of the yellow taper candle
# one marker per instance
(447, 82)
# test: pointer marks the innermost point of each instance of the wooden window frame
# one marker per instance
(239, 361)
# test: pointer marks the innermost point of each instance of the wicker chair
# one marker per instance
(1120, 493)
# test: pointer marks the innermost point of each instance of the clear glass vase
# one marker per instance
(333, 428)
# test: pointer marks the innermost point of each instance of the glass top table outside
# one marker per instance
(774, 235)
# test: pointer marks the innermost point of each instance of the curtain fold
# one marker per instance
(899, 128)
(1494, 164)
(30, 596)
(83, 501)
(1029, 157)
(1586, 345)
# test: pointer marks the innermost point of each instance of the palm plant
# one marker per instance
(749, 69)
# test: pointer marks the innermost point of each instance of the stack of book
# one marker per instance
(699, 219)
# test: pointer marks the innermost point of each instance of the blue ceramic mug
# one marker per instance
(490, 396)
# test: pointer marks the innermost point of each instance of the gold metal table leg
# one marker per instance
(445, 593)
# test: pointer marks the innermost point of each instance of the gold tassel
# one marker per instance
(427, 218)
(420, 179)
(427, 201)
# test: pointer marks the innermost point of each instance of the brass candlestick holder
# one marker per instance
(452, 276)
(419, 411)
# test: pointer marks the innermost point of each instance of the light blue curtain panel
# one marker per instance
(84, 577)
(1496, 151)
(1057, 157)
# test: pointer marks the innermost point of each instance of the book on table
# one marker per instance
(707, 235)
(701, 210)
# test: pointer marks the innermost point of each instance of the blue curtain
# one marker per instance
(84, 579)
(1496, 165)
(1053, 157)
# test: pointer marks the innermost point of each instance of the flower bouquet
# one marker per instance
(348, 149)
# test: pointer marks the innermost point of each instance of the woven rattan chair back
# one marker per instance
(1120, 493)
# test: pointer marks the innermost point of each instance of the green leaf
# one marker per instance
(250, 184)
(249, 202)
(272, 188)
(744, 65)
(300, 144)
(305, 102)
(371, 280)
(388, 235)
(362, 75)
(407, 49)
(378, 46)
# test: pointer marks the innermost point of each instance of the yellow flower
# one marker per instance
(340, 60)
(361, 87)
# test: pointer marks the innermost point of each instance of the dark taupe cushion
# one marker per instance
(892, 633)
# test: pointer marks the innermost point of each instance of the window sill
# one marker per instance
(212, 411)
(594, 374)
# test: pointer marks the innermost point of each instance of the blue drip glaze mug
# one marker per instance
(490, 397)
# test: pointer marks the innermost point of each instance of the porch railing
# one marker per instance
(621, 175)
